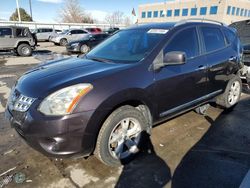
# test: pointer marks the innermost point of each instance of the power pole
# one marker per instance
(31, 10)
(18, 11)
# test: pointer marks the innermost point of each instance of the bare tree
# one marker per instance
(127, 21)
(116, 17)
(72, 12)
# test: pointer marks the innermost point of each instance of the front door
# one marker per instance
(180, 86)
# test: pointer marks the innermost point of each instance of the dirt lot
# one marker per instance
(188, 151)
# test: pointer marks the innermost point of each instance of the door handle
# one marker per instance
(201, 67)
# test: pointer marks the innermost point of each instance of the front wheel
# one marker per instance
(63, 42)
(120, 137)
(84, 49)
(232, 94)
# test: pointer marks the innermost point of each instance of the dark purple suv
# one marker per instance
(139, 77)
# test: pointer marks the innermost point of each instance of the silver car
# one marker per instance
(69, 35)
(44, 34)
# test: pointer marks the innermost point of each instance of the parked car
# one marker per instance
(69, 35)
(86, 44)
(17, 39)
(94, 30)
(102, 103)
(43, 34)
(243, 29)
(111, 30)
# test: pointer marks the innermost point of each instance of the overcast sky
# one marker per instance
(47, 10)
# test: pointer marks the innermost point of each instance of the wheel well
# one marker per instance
(24, 42)
(138, 105)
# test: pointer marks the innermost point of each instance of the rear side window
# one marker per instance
(5, 32)
(81, 32)
(185, 41)
(230, 36)
(74, 32)
(213, 38)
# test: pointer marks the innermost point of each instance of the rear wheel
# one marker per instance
(120, 137)
(232, 94)
(63, 42)
(24, 50)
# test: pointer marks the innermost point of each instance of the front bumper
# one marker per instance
(53, 136)
(72, 48)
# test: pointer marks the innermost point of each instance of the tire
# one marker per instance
(63, 42)
(84, 48)
(112, 128)
(24, 50)
(231, 96)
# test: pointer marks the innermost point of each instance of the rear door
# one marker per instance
(221, 57)
(180, 86)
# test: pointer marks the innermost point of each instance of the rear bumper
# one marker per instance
(54, 136)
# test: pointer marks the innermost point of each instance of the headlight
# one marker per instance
(63, 101)
(74, 44)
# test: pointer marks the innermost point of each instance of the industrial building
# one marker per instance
(226, 11)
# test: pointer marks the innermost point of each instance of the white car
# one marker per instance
(43, 34)
(69, 35)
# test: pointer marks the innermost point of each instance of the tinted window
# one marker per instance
(230, 36)
(182, 43)
(213, 38)
(73, 32)
(5, 32)
(98, 37)
(80, 32)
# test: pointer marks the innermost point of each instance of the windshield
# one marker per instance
(127, 46)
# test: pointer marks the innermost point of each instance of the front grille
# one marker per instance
(19, 102)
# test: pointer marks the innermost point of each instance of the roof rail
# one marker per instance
(198, 19)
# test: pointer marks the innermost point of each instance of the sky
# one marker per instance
(47, 10)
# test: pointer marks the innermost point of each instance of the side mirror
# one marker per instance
(174, 58)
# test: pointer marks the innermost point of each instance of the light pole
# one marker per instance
(31, 10)
(18, 11)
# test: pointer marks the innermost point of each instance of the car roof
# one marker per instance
(169, 25)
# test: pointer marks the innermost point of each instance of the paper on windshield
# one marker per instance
(158, 31)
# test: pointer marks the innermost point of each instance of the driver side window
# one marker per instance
(185, 41)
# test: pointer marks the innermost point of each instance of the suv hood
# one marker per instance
(49, 77)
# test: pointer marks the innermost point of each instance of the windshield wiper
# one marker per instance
(100, 59)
